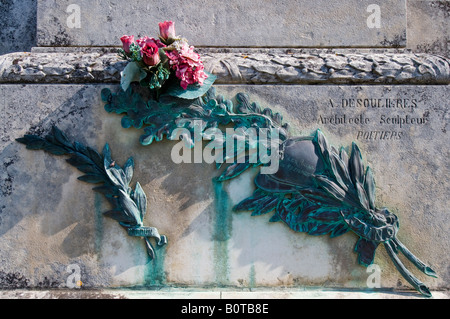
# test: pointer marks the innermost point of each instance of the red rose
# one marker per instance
(143, 41)
(150, 54)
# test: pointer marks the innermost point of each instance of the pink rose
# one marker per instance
(150, 54)
(143, 41)
(127, 41)
(167, 30)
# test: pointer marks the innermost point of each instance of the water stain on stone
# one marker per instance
(222, 233)
(155, 273)
(98, 223)
(252, 277)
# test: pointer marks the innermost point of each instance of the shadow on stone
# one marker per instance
(18, 25)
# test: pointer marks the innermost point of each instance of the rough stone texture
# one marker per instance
(340, 66)
(241, 23)
(60, 68)
(213, 294)
(49, 219)
(257, 66)
(428, 26)
(17, 25)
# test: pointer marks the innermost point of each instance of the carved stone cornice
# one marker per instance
(320, 67)
(240, 66)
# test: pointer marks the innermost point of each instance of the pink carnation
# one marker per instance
(188, 67)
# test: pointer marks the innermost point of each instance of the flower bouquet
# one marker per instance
(167, 65)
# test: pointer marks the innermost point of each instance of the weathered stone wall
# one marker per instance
(40, 238)
(327, 71)
(235, 23)
(426, 25)
(428, 29)
(18, 25)
(246, 66)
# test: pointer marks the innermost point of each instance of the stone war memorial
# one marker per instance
(235, 149)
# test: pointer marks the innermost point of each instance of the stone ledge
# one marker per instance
(216, 294)
(239, 66)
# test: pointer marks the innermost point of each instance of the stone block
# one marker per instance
(17, 25)
(49, 220)
(252, 66)
(234, 23)
(428, 27)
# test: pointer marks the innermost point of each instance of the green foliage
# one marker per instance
(165, 117)
(129, 206)
(156, 77)
(340, 201)
(193, 91)
(131, 73)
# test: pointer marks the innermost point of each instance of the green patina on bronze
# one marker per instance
(332, 194)
(222, 233)
(154, 272)
(317, 189)
(129, 206)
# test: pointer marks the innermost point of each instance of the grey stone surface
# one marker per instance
(330, 66)
(252, 66)
(50, 220)
(17, 25)
(241, 23)
(81, 67)
(214, 294)
(428, 26)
